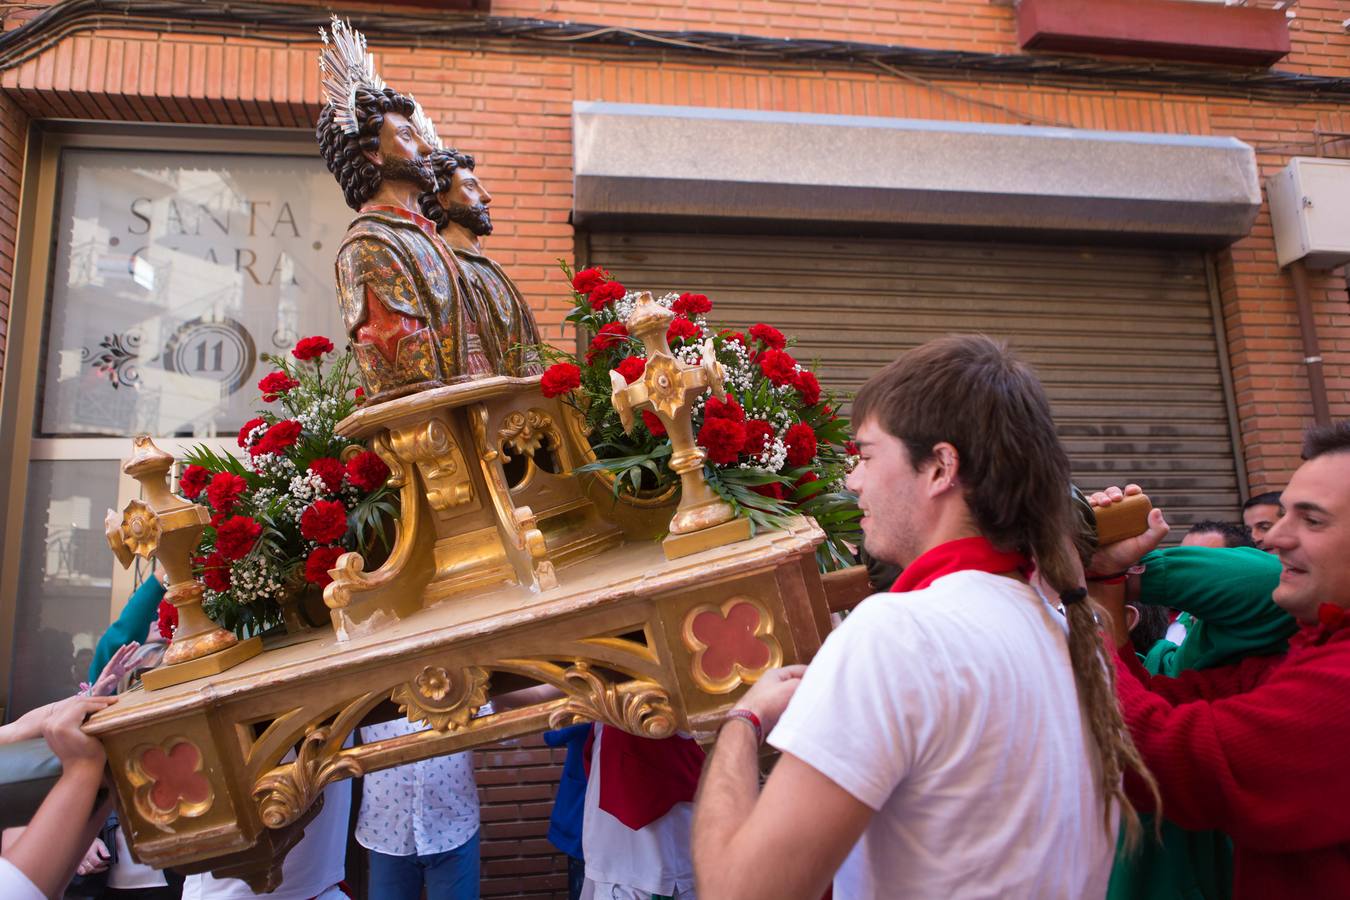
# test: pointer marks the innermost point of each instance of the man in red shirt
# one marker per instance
(1257, 749)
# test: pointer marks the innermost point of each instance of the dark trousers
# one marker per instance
(452, 875)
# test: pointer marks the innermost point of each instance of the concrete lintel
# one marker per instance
(640, 162)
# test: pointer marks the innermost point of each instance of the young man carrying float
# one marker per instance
(1257, 749)
(956, 737)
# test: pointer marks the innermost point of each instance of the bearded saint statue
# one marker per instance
(413, 321)
(459, 207)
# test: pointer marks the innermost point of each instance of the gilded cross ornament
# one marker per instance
(167, 527)
(669, 387)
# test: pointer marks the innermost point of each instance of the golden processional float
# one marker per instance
(219, 758)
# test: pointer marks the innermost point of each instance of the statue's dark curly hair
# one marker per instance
(359, 177)
(443, 164)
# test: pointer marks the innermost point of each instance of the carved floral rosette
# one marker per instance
(445, 699)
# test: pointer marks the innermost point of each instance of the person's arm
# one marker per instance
(131, 625)
(1229, 591)
(786, 842)
(61, 831)
(27, 726)
(1265, 766)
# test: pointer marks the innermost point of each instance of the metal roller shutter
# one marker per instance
(1123, 339)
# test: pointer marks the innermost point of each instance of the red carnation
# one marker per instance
(319, 562)
(560, 378)
(808, 386)
(653, 423)
(758, 434)
(680, 329)
(236, 536)
(631, 368)
(278, 438)
(774, 490)
(366, 471)
(249, 426)
(769, 336)
(215, 571)
(168, 619)
(330, 471)
(724, 409)
(193, 482)
(359, 394)
(723, 439)
(605, 294)
(588, 280)
(807, 478)
(610, 335)
(324, 521)
(778, 367)
(274, 384)
(801, 444)
(224, 490)
(692, 305)
(735, 336)
(851, 448)
(311, 348)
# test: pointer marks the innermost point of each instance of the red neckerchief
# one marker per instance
(975, 553)
(641, 778)
(1331, 621)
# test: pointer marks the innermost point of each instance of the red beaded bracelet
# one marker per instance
(750, 719)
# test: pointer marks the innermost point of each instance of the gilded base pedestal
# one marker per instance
(678, 545)
(202, 666)
(204, 770)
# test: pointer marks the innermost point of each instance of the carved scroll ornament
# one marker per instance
(287, 791)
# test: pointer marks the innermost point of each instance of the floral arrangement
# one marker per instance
(776, 447)
(297, 498)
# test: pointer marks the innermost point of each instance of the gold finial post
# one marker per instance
(168, 528)
(669, 387)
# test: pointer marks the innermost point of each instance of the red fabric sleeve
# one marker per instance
(1204, 684)
(1266, 766)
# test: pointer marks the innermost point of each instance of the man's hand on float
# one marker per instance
(1113, 558)
(770, 695)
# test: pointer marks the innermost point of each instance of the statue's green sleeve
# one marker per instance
(1229, 591)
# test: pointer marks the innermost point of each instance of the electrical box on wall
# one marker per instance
(1310, 212)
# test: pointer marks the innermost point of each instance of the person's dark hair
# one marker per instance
(1233, 535)
(1151, 627)
(443, 164)
(1269, 498)
(343, 153)
(1323, 439)
(973, 393)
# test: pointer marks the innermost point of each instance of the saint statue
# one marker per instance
(411, 317)
(459, 207)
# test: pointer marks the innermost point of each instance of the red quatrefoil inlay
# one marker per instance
(731, 640)
(175, 776)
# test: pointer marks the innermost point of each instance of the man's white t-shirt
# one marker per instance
(952, 713)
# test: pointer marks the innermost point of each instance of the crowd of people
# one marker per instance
(1019, 713)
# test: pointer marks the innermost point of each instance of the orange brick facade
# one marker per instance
(509, 103)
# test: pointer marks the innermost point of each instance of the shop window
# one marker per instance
(163, 279)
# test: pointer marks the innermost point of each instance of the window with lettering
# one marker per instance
(173, 274)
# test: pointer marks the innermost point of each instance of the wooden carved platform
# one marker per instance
(629, 638)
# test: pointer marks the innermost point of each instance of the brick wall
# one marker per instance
(516, 784)
(13, 139)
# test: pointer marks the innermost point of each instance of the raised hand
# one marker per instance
(1119, 556)
(65, 736)
(114, 670)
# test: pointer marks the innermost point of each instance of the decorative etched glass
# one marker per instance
(173, 273)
